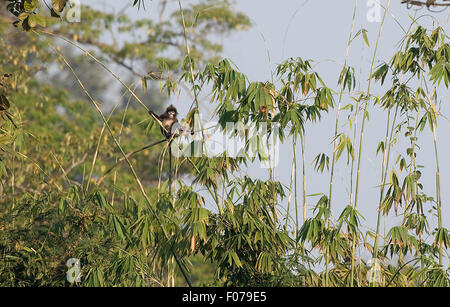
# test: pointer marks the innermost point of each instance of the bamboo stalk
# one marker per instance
(291, 184)
(384, 170)
(138, 181)
(97, 149)
(433, 109)
(119, 139)
(304, 180)
(333, 160)
(361, 138)
(438, 189)
(385, 167)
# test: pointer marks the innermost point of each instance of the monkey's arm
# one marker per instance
(152, 113)
(159, 120)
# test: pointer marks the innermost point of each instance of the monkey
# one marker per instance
(4, 106)
(168, 120)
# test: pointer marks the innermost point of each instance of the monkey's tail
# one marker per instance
(170, 168)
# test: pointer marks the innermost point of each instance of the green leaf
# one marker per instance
(366, 39)
(144, 84)
(30, 5)
(34, 20)
(23, 16)
(58, 5)
(236, 258)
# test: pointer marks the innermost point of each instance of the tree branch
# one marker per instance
(99, 181)
(427, 4)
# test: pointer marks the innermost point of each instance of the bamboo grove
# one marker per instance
(214, 225)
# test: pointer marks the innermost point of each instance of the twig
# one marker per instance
(127, 156)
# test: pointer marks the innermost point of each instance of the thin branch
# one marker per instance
(127, 156)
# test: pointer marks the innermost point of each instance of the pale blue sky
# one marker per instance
(318, 30)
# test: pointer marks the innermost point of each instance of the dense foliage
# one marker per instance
(68, 189)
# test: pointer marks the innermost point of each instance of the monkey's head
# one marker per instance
(172, 111)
